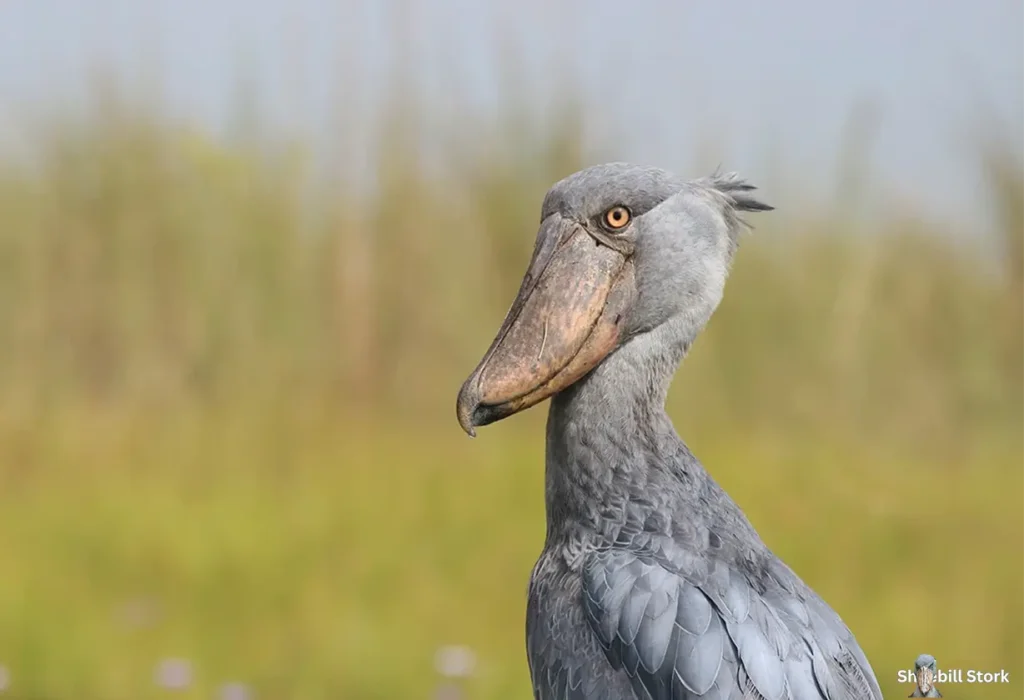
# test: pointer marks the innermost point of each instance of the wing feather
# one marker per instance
(680, 635)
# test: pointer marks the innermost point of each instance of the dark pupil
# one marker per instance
(617, 214)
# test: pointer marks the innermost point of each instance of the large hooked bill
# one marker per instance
(564, 321)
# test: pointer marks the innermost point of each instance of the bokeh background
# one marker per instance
(249, 250)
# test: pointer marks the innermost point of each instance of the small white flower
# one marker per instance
(235, 691)
(455, 661)
(174, 674)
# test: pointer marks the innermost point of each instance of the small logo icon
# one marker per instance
(926, 671)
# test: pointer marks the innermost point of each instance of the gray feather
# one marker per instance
(653, 584)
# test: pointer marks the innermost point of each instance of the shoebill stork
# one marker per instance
(652, 582)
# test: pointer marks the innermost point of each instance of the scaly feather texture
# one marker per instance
(652, 583)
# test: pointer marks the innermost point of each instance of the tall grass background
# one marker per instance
(226, 407)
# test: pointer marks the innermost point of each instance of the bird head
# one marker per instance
(925, 669)
(622, 250)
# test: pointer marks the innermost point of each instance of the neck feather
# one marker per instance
(609, 438)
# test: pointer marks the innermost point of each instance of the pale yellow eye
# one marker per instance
(617, 217)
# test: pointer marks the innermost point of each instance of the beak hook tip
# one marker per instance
(465, 407)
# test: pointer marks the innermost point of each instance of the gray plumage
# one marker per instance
(926, 663)
(652, 583)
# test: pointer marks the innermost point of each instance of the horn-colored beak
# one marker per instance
(564, 321)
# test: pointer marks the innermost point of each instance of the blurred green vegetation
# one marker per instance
(227, 429)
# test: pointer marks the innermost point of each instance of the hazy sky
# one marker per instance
(658, 75)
